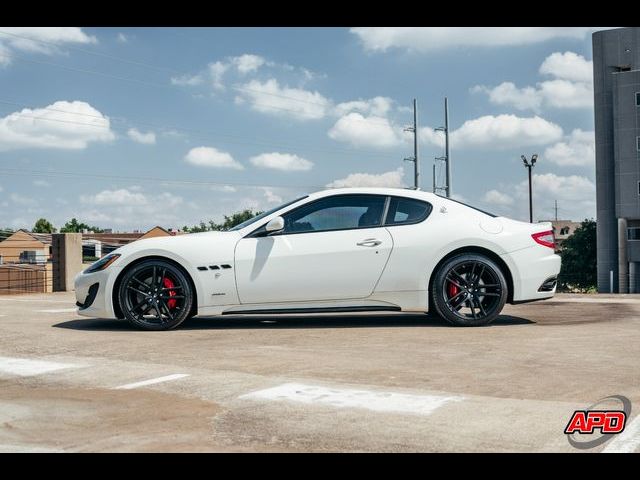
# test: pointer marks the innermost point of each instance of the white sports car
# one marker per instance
(342, 250)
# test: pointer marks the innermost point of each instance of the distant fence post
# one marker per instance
(66, 251)
(610, 281)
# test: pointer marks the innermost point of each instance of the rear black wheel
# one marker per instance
(155, 295)
(469, 290)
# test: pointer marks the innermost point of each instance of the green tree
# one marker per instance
(43, 226)
(579, 258)
(74, 226)
(228, 223)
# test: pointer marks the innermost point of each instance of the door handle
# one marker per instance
(369, 242)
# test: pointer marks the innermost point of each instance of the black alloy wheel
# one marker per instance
(469, 290)
(155, 295)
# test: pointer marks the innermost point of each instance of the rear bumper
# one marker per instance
(533, 270)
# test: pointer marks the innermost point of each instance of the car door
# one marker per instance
(334, 248)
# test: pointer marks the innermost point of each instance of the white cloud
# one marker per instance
(566, 94)
(5, 57)
(575, 195)
(568, 66)
(224, 188)
(378, 106)
(392, 179)
(39, 183)
(272, 197)
(360, 131)
(282, 161)
(242, 66)
(571, 87)
(115, 197)
(269, 97)
(495, 197)
(424, 39)
(188, 80)
(248, 63)
(148, 138)
(569, 188)
(498, 132)
(44, 40)
(122, 38)
(527, 98)
(134, 209)
(22, 200)
(217, 71)
(211, 157)
(62, 125)
(578, 149)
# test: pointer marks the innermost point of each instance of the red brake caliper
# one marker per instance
(168, 283)
(452, 290)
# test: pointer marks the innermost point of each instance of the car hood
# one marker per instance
(181, 243)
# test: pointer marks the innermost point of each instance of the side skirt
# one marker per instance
(269, 311)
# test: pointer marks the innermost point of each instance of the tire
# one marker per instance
(469, 290)
(155, 295)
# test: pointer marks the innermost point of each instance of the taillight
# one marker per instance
(545, 238)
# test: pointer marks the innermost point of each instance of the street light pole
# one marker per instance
(529, 166)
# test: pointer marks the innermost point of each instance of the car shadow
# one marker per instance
(290, 321)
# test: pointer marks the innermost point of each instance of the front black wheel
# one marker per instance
(155, 295)
(469, 290)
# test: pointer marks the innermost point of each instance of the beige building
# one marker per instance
(13, 247)
(25, 266)
(562, 229)
(99, 244)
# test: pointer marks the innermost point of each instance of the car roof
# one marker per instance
(400, 192)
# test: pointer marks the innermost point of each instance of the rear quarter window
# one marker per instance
(405, 211)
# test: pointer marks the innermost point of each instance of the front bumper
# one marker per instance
(85, 287)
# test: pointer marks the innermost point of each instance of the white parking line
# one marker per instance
(152, 381)
(350, 398)
(6, 448)
(31, 300)
(57, 310)
(26, 368)
(628, 441)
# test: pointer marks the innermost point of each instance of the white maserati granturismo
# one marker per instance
(341, 250)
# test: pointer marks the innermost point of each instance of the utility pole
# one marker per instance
(434, 177)
(446, 146)
(414, 159)
(556, 209)
(529, 166)
(447, 157)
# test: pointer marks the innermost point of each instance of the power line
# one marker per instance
(91, 52)
(162, 85)
(82, 70)
(201, 134)
(149, 65)
(19, 172)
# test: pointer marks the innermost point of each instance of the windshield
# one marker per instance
(265, 214)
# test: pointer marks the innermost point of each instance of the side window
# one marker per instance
(404, 211)
(336, 213)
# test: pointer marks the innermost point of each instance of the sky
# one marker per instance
(128, 128)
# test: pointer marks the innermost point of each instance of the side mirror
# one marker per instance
(275, 224)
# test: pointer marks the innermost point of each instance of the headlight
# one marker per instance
(103, 263)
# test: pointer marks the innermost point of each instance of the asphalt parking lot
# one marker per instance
(390, 383)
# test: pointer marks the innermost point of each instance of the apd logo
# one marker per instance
(598, 425)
